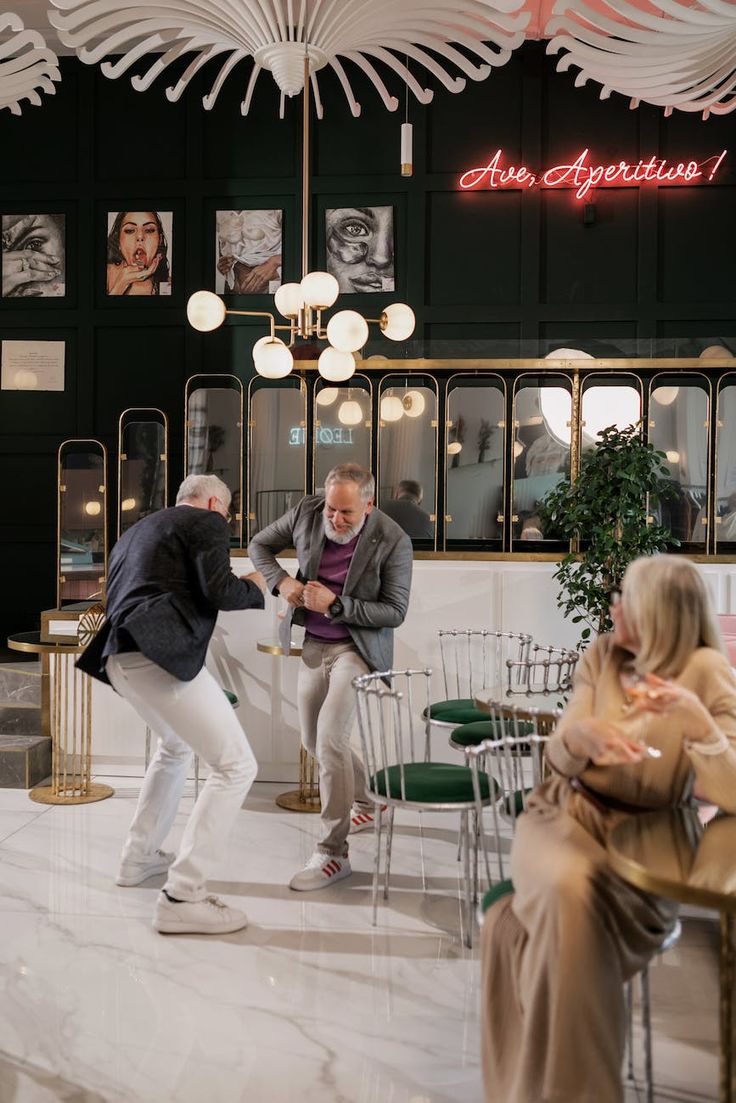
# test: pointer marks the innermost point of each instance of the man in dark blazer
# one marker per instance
(351, 591)
(168, 577)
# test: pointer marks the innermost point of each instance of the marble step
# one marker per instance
(25, 760)
(20, 685)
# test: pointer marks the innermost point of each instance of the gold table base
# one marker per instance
(306, 797)
(44, 794)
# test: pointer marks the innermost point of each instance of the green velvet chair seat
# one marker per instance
(232, 698)
(503, 888)
(470, 735)
(457, 711)
(431, 783)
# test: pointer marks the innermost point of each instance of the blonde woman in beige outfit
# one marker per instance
(557, 953)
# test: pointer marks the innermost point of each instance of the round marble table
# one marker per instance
(672, 854)
(306, 797)
(70, 723)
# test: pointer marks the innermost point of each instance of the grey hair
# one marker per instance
(353, 473)
(203, 487)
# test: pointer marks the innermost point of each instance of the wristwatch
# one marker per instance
(335, 609)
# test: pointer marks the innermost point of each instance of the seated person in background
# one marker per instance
(404, 509)
(727, 527)
(557, 952)
(531, 528)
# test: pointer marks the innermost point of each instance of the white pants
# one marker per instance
(186, 716)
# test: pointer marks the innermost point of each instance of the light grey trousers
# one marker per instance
(327, 705)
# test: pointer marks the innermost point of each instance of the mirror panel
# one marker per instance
(82, 521)
(608, 400)
(277, 450)
(540, 454)
(343, 425)
(214, 440)
(142, 466)
(475, 450)
(725, 527)
(678, 426)
(407, 455)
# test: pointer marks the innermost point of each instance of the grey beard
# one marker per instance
(341, 537)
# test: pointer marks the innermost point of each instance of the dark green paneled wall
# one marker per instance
(511, 268)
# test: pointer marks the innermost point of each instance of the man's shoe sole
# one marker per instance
(193, 928)
(138, 878)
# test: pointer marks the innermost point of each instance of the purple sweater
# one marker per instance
(333, 570)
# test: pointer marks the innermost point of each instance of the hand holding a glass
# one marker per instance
(652, 694)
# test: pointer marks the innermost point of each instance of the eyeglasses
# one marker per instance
(614, 596)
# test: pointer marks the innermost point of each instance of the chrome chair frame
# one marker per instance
(547, 670)
(387, 723)
(467, 668)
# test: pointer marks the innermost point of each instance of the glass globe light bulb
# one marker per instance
(326, 396)
(319, 290)
(335, 366)
(392, 408)
(347, 331)
(454, 447)
(272, 359)
(413, 403)
(350, 413)
(127, 504)
(289, 300)
(397, 322)
(665, 396)
(205, 311)
(93, 508)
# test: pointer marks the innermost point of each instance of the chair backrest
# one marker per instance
(516, 764)
(727, 625)
(475, 658)
(546, 669)
(390, 706)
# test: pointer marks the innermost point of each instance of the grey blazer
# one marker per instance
(376, 592)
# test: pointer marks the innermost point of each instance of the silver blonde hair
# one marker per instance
(668, 608)
(200, 488)
(353, 473)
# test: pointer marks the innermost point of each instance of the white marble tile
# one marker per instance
(310, 1002)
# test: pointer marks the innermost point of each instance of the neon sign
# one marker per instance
(583, 175)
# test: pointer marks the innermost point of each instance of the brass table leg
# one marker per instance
(306, 797)
(728, 1069)
(71, 734)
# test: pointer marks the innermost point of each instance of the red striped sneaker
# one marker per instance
(320, 871)
(361, 820)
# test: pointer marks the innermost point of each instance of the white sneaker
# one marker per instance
(208, 916)
(320, 871)
(360, 820)
(134, 870)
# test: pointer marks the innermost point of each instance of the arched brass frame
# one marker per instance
(164, 456)
(368, 424)
(708, 388)
(442, 449)
(384, 384)
(196, 383)
(257, 383)
(61, 489)
(722, 384)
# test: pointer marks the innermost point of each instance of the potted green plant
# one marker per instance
(606, 511)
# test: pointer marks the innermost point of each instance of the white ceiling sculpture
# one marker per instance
(444, 38)
(27, 67)
(675, 54)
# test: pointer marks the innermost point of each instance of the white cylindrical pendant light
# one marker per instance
(205, 311)
(347, 331)
(397, 322)
(407, 149)
(272, 359)
(319, 290)
(336, 366)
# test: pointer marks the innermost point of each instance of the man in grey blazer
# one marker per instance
(351, 591)
(168, 577)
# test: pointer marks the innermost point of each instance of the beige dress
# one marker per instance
(555, 955)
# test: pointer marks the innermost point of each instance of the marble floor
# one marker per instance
(310, 1003)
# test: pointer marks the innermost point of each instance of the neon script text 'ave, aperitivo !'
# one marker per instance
(582, 175)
